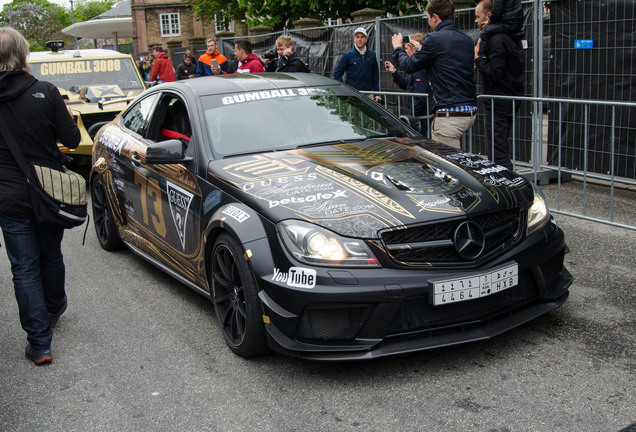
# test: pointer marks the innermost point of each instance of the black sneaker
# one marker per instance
(56, 317)
(38, 356)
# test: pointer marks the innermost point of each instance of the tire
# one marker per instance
(103, 220)
(92, 131)
(234, 295)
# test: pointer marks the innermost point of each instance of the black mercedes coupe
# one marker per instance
(319, 224)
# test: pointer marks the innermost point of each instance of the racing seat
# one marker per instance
(176, 124)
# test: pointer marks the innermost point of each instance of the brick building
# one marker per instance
(172, 25)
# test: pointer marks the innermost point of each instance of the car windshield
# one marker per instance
(291, 118)
(87, 72)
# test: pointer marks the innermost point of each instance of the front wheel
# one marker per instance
(234, 295)
(105, 227)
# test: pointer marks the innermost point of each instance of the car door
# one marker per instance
(164, 199)
(122, 138)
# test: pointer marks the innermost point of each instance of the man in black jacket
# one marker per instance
(187, 69)
(501, 64)
(506, 16)
(446, 55)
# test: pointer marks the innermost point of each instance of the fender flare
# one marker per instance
(251, 229)
(227, 217)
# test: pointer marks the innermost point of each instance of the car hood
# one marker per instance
(358, 189)
(85, 98)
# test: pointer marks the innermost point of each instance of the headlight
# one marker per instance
(538, 214)
(314, 245)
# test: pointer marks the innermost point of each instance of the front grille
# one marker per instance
(433, 244)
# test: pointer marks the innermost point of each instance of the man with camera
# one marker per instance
(287, 59)
(414, 82)
(271, 59)
(447, 57)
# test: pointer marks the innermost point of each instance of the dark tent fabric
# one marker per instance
(605, 72)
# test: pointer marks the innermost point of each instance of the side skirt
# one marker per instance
(171, 272)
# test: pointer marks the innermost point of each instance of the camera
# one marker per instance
(406, 39)
(270, 55)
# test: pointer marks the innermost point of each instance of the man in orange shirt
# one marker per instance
(204, 65)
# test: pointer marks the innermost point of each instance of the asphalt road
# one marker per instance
(139, 351)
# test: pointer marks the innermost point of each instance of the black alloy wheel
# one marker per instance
(105, 226)
(234, 295)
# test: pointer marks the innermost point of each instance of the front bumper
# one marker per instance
(355, 314)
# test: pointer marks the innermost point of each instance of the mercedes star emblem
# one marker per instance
(469, 240)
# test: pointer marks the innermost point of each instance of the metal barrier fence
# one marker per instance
(570, 200)
(573, 120)
(549, 161)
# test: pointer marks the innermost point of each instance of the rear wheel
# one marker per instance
(105, 227)
(234, 295)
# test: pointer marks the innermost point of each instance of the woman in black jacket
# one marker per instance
(39, 115)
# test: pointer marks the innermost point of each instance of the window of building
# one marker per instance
(223, 23)
(170, 24)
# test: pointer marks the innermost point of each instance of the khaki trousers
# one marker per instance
(449, 130)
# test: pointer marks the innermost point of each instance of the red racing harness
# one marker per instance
(173, 134)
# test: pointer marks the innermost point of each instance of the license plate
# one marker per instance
(475, 286)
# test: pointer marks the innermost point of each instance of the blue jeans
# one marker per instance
(38, 271)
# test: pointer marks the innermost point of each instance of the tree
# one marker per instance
(281, 13)
(38, 20)
(207, 10)
(85, 10)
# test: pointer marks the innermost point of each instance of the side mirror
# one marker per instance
(167, 152)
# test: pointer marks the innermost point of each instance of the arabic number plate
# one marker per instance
(475, 286)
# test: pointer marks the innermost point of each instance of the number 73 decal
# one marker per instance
(179, 201)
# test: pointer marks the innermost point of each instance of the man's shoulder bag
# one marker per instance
(58, 198)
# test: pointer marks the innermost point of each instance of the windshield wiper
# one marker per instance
(247, 153)
(339, 141)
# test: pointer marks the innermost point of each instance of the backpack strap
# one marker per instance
(11, 141)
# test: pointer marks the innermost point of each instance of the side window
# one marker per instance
(137, 118)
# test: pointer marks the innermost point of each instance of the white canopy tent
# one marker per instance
(115, 23)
